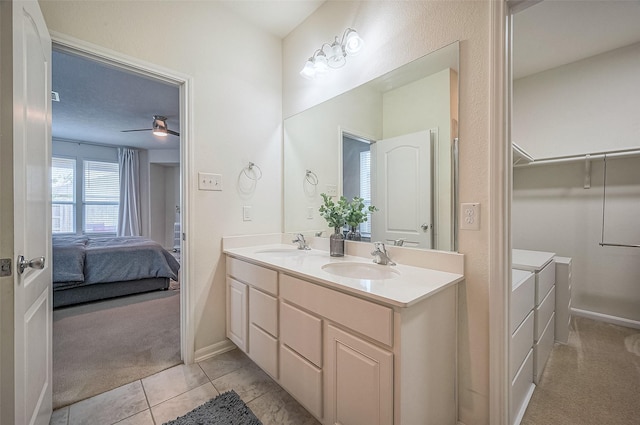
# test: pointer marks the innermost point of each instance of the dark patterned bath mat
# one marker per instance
(225, 409)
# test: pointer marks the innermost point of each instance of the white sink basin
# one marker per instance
(366, 271)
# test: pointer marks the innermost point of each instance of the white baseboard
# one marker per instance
(213, 350)
(620, 321)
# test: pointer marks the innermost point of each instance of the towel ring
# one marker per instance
(311, 178)
(251, 167)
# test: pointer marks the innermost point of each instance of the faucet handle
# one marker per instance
(302, 243)
(379, 246)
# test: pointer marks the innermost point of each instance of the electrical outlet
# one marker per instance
(209, 181)
(246, 213)
(470, 217)
(332, 190)
(310, 213)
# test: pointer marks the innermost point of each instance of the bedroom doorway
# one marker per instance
(94, 121)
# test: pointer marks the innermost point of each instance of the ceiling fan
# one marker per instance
(158, 127)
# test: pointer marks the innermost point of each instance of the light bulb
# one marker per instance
(309, 70)
(353, 44)
(320, 64)
(160, 133)
(336, 57)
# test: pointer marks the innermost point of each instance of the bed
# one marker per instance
(95, 268)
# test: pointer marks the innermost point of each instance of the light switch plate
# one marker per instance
(470, 217)
(332, 190)
(209, 181)
(246, 213)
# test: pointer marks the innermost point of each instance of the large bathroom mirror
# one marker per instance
(391, 141)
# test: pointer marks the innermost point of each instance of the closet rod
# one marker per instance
(572, 158)
(624, 245)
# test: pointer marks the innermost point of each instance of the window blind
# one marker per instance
(63, 185)
(101, 195)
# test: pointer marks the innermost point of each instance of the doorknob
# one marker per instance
(425, 227)
(35, 263)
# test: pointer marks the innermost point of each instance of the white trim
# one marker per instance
(620, 321)
(523, 408)
(185, 83)
(213, 350)
(500, 218)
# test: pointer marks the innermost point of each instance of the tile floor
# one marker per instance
(174, 392)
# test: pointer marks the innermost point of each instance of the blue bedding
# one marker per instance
(68, 259)
(81, 260)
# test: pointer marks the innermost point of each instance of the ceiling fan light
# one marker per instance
(353, 43)
(160, 126)
(160, 132)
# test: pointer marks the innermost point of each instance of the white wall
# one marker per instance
(584, 107)
(312, 142)
(396, 33)
(426, 105)
(236, 114)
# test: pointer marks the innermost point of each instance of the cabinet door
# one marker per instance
(359, 387)
(237, 320)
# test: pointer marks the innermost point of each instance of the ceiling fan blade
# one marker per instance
(175, 133)
(140, 129)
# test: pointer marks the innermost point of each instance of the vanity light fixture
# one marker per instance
(333, 55)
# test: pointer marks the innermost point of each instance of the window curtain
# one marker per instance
(129, 213)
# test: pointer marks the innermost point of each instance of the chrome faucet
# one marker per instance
(380, 255)
(399, 242)
(302, 244)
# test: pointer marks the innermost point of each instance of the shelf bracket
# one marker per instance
(587, 172)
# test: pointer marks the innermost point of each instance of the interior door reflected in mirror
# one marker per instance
(400, 167)
(390, 142)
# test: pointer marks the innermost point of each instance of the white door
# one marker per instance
(403, 190)
(32, 214)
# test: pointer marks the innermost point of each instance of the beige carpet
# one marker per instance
(593, 380)
(101, 346)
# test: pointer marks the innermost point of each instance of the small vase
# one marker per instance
(336, 243)
(354, 234)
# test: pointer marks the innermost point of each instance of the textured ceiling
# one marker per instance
(97, 101)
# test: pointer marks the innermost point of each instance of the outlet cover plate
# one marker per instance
(470, 217)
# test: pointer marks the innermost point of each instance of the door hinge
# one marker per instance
(5, 267)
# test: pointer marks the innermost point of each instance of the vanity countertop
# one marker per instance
(412, 285)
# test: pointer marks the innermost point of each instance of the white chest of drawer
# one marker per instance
(522, 297)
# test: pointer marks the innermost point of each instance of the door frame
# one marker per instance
(500, 184)
(185, 84)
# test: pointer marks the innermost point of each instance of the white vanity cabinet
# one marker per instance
(252, 312)
(349, 359)
(357, 381)
(237, 319)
